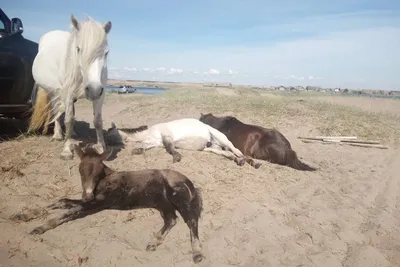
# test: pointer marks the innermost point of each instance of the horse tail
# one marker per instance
(293, 161)
(134, 130)
(41, 112)
(223, 140)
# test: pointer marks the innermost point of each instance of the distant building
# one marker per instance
(394, 93)
(227, 85)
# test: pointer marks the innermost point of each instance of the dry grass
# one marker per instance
(274, 110)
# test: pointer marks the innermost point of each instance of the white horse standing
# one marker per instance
(188, 133)
(70, 66)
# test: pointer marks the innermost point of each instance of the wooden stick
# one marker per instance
(368, 145)
(338, 137)
(310, 138)
(331, 140)
(346, 143)
(345, 139)
(321, 138)
(361, 141)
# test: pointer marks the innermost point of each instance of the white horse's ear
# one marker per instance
(107, 26)
(75, 22)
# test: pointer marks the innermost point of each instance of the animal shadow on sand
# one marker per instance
(86, 136)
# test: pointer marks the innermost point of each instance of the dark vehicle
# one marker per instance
(17, 86)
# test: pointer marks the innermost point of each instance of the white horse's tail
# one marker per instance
(41, 112)
(223, 140)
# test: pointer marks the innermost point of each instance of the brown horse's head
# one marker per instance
(206, 117)
(91, 169)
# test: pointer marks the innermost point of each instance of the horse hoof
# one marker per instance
(137, 151)
(37, 231)
(151, 247)
(57, 138)
(177, 158)
(241, 162)
(66, 156)
(198, 257)
(257, 165)
(98, 148)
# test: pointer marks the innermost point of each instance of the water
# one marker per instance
(140, 90)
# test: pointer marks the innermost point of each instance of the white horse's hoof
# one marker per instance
(66, 155)
(57, 138)
(99, 148)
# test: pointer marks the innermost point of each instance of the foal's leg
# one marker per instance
(65, 203)
(98, 123)
(169, 216)
(181, 200)
(74, 213)
(192, 222)
(67, 153)
(169, 146)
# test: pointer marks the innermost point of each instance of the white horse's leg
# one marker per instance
(225, 153)
(57, 130)
(67, 153)
(98, 124)
(139, 149)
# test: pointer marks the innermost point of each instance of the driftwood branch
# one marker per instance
(343, 140)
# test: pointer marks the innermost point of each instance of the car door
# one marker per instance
(16, 58)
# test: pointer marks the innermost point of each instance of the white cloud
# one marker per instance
(128, 69)
(212, 72)
(232, 72)
(161, 69)
(174, 71)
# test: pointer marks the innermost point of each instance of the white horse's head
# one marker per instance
(90, 47)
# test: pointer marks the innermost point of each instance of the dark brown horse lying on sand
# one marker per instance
(166, 190)
(256, 141)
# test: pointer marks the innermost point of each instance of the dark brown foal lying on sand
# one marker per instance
(166, 190)
(256, 141)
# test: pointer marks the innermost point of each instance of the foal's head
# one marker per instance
(91, 169)
(90, 47)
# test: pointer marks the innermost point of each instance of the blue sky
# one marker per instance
(342, 43)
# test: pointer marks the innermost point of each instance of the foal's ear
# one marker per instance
(107, 26)
(106, 154)
(75, 22)
(78, 151)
